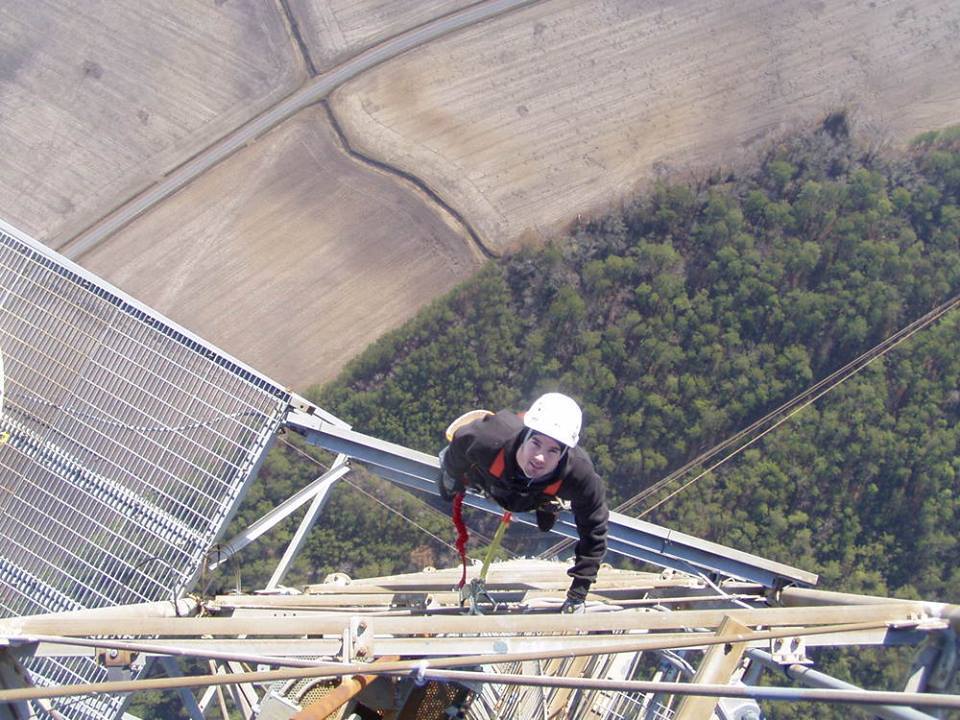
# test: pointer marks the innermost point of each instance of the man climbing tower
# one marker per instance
(528, 462)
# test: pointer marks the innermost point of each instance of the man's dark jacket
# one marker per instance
(472, 452)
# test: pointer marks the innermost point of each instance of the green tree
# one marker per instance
(676, 322)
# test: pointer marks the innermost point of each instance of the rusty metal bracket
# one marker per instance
(117, 663)
(113, 657)
(361, 640)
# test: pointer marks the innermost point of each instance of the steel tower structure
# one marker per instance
(126, 444)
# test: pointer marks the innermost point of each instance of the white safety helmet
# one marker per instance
(556, 416)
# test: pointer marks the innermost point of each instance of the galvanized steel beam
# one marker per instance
(337, 471)
(903, 615)
(317, 488)
(257, 650)
(421, 672)
(12, 675)
(717, 665)
(813, 678)
(627, 536)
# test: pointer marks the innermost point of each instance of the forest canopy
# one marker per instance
(692, 311)
(678, 320)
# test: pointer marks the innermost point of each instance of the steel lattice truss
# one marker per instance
(126, 444)
(651, 645)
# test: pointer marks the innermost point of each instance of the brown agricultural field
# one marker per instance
(289, 255)
(293, 253)
(97, 100)
(565, 106)
(334, 30)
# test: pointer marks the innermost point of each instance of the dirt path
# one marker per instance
(335, 30)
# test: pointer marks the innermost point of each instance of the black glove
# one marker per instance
(573, 607)
(547, 514)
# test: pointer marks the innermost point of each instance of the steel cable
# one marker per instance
(785, 411)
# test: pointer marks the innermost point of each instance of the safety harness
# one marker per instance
(496, 469)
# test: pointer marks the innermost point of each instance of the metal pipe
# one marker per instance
(806, 597)
(184, 607)
(649, 642)
(281, 512)
(339, 669)
(452, 646)
(422, 671)
(357, 599)
(348, 689)
(816, 679)
(186, 696)
(243, 693)
(329, 624)
(221, 698)
(628, 536)
(875, 699)
(809, 597)
(309, 518)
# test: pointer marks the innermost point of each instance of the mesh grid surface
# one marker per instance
(125, 445)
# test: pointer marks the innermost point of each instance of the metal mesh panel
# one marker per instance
(125, 442)
(500, 701)
(314, 691)
(434, 700)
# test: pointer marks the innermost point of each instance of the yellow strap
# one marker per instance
(465, 419)
(495, 543)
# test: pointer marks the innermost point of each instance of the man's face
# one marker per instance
(539, 456)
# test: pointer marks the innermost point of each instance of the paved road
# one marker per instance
(315, 90)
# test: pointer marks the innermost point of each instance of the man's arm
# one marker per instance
(453, 458)
(591, 515)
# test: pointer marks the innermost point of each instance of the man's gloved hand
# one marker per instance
(547, 514)
(572, 606)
